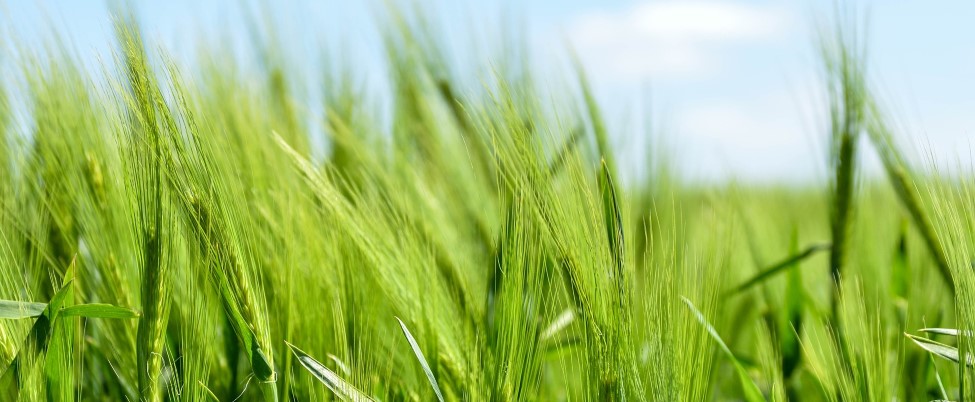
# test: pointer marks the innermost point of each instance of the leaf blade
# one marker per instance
(939, 349)
(423, 360)
(333, 381)
(99, 310)
(783, 265)
(752, 393)
(15, 310)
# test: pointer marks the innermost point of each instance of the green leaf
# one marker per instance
(937, 377)
(99, 310)
(941, 350)
(336, 384)
(943, 331)
(752, 393)
(35, 346)
(15, 310)
(779, 267)
(423, 360)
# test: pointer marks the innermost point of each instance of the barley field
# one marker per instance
(193, 232)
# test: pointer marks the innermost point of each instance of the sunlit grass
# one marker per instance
(176, 234)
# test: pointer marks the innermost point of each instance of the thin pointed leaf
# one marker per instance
(943, 331)
(779, 267)
(15, 310)
(98, 310)
(423, 360)
(939, 349)
(333, 381)
(752, 393)
(937, 377)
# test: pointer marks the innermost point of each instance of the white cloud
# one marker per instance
(671, 39)
(764, 136)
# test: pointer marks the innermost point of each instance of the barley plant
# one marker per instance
(199, 232)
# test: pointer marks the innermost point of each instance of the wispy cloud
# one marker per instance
(671, 39)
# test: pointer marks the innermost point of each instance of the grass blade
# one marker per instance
(15, 310)
(941, 350)
(752, 393)
(99, 310)
(779, 267)
(423, 360)
(937, 377)
(328, 377)
(943, 331)
(34, 349)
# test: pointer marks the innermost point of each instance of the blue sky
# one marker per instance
(733, 84)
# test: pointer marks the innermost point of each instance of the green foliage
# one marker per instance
(479, 244)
